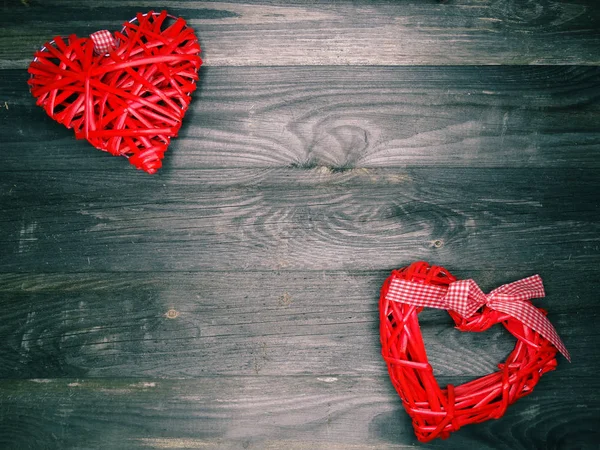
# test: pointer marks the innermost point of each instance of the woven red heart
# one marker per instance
(126, 95)
(437, 412)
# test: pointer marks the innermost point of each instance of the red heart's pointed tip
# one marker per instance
(150, 165)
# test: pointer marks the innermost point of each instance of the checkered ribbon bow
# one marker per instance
(104, 42)
(465, 297)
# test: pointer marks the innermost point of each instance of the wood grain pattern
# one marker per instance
(282, 33)
(249, 323)
(299, 413)
(293, 219)
(231, 301)
(347, 118)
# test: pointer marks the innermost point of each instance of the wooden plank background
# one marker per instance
(231, 300)
(302, 32)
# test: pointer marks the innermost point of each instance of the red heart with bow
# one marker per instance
(126, 95)
(437, 412)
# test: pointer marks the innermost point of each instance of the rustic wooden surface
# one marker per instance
(307, 32)
(231, 300)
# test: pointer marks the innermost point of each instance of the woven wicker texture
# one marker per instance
(436, 412)
(129, 102)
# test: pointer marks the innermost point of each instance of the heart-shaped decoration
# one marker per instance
(437, 412)
(126, 95)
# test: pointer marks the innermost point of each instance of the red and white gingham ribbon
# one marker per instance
(104, 42)
(465, 297)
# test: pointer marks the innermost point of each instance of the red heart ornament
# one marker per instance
(126, 95)
(437, 412)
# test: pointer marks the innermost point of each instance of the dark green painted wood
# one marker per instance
(347, 117)
(231, 301)
(298, 219)
(283, 33)
(250, 323)
(297, 413)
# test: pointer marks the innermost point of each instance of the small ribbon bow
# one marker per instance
(465, 297)
(104, 42)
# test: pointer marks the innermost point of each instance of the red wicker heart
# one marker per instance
(130, 101)
(437, 412)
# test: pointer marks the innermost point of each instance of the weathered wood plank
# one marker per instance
(231, 301)
(295, 219)
(344, 117)
(249, 323)
(299, 413)
(243, 33)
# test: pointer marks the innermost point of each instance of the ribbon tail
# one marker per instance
(524, 289)
(529, 315)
